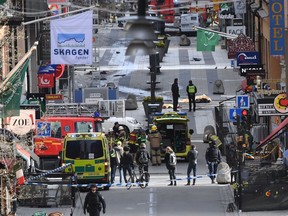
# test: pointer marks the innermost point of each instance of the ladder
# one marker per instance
(104, 108)
(71, 109)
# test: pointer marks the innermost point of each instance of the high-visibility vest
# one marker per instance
(191, 89)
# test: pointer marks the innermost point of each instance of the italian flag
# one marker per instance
(20, 177)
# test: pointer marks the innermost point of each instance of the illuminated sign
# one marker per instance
(277, 25)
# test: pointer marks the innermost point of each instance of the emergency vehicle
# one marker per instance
(173, 127)
(59, 120)
(89, 155)
(165, 7)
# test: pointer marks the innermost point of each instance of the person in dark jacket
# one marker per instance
(213, 158)
(127, 163)
(192, 164)
(175, 94)
(170, 166)
(191, 90)
(94, 202)
(142, 165)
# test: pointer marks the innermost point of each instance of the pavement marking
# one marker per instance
(151, 202)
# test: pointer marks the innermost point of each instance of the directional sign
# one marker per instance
(242, 101)
(233, 114)
(43, 129)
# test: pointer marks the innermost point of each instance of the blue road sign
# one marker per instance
(242, 101)
(43, 129)
(233, 112)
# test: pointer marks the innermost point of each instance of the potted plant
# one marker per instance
(160, 47)
(147, 100)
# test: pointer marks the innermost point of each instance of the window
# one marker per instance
(84, 149)
(56, 129)
(82, 127)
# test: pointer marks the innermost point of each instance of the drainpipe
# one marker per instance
(259, 32)
(251, 19)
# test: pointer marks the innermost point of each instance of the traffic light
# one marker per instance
(244, 112)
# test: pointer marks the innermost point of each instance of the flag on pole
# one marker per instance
(71, 39)
(10, 95)
(206, 41)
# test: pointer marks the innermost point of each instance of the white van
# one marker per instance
(187, 21)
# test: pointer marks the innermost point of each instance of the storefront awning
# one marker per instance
(26, 154)
(274, 133)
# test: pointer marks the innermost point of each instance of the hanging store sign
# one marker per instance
(251, 70)
(247, 58)
(277, 27)
(265, 107)
(240, 44)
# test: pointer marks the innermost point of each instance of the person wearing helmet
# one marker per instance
(213, 158)
(94, 202)
(115, 159)
(127, 163)
(155, 139)
(122, 135)
(142, 158)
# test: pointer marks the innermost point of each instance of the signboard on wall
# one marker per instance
(277, 27)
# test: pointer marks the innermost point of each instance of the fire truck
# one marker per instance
(59, 120)
(163, 7)
(173, 127)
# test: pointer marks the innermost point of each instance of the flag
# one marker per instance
(206, 41)
(10, 95)
(71, 39)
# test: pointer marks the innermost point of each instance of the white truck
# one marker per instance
(187, 21)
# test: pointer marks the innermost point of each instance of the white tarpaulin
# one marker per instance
(71, 39)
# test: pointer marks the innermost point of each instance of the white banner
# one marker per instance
(71, 39)
(240, 6)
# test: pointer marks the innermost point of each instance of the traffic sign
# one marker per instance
(242, 101)
(233, 112)
(43, 129)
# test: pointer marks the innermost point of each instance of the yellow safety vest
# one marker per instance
(191, 89)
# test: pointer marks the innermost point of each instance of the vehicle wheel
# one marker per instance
(106, 187)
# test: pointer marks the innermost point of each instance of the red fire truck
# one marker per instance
(163, 7)
(53, 127)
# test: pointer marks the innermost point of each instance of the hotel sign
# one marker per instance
(277, 25)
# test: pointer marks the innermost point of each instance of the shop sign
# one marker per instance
(277, 27)
(246, 70)
(247, 58)
(236, 30)
(240, 44)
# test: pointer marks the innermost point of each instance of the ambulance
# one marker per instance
(173, 127)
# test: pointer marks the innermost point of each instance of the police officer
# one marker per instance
(94, 202)
(155, 138)
(191, 90)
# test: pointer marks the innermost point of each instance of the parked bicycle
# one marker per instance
(142, 181)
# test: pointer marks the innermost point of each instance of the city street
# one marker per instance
(130, 75)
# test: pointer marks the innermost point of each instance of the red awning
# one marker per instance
(274, 133)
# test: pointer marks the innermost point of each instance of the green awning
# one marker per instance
(2, 1)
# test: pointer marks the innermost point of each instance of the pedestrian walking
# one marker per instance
(171, 161)
(155, 139)
(127, 163)
(213, 158)
(175, 94)
(232, 160)
(191, 90)
(94, 202)
(192, 164)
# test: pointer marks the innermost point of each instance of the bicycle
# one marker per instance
(143, 179)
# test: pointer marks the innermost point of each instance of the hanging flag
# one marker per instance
(240, 6)
(46, 80)
(206, 41)
(10, 95)
(71, 39)
(17, 169)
